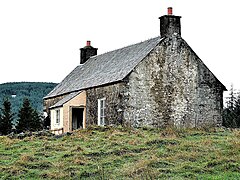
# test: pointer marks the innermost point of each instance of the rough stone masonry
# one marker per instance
(171, 86)
(159, 82)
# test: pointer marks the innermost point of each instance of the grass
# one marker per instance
(123, 153)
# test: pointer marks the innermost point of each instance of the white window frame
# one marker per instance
(101, 111)
(57, 113)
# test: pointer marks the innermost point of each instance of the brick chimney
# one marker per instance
(170, 24)
(86, 52)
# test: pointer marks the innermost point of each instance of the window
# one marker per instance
(101, 111)
(57, 116)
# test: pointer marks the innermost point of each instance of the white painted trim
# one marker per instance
(99, 100)
(54, 125)
(56, 117)
(99, 110)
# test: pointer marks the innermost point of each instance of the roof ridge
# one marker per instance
(127, 46)
(105, 68)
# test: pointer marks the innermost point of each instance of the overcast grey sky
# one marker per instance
(40, 39)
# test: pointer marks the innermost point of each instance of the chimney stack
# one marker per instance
(169, 24)
(87, 52)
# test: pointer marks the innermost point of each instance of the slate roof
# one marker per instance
(105, 68)
(65, 99)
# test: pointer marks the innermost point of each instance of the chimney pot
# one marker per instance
(170, 11)
(88, 43)
(170, 25)
(87, 52)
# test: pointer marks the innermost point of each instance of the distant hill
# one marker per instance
(17, 91)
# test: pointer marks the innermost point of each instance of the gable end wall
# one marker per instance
(171, 86)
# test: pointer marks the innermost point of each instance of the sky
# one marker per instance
(40, 39)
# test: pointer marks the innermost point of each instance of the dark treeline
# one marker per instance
(231, 113)
(21, 106)
(28, 119)
(16, 92)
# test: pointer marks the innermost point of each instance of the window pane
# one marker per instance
(101, 111)
(103, 103)
(103, 114)
(57, 116)
(101, 121)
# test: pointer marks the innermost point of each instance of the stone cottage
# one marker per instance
(159, 82)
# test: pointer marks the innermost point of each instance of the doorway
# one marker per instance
(77, 118)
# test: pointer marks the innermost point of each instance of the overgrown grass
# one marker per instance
(123, 153)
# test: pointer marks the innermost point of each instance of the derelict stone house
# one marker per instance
(158, 82)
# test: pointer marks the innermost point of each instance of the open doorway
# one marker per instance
(77, 118)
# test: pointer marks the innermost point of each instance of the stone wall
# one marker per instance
(171, 86)
(114, 109)
(210, 99)
(47, 103)
(168, 88)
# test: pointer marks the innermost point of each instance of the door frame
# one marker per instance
(70, 116)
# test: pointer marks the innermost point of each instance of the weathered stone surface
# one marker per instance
(159, 82)
(113, 111)
(170, 25)
(172, 86)
(47, 103)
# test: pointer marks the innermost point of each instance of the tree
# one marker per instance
(237, 110)
(37, 123)
(29, 119)
(6, 118)
(229, 118)
(231, 114)
(231, 99)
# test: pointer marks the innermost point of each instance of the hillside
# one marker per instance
(123, 153)
(17, 91)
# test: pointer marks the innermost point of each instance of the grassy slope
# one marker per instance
(108, 153)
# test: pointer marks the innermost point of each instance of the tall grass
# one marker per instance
(124, 153)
